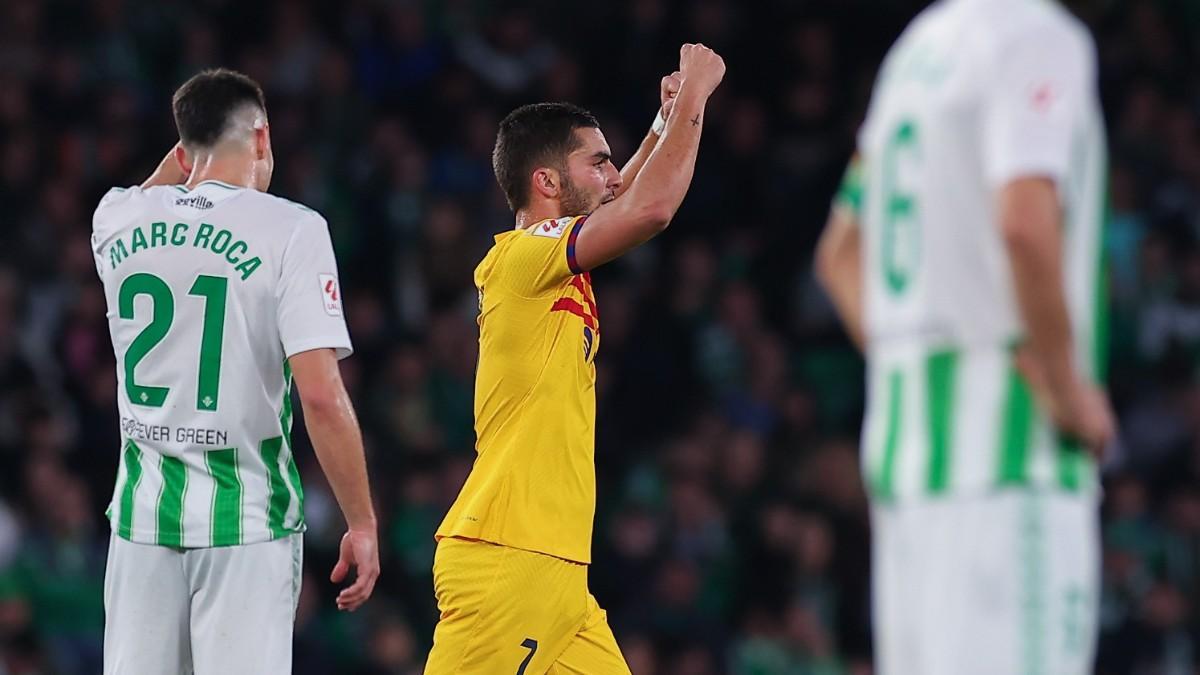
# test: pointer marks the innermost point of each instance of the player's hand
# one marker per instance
(170, 168)
(668, 90)
(1088, 418)
(1097, 425)
(1082, 412)
(169, 171)
(360, 550)
(701, 66)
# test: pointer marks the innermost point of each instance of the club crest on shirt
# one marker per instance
(331, 294)
(552, 229)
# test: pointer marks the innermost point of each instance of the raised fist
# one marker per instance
(668, 90)
(701, 66)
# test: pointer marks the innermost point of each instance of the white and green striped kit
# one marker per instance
(966, 101)
(209, 291)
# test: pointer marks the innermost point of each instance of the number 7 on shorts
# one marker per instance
(531, 645)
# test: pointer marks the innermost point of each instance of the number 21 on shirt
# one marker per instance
(212, 292)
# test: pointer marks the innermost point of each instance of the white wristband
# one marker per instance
(660, 124)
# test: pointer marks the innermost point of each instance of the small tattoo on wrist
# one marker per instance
(696, 121)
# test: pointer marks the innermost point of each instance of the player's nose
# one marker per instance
(614, 177)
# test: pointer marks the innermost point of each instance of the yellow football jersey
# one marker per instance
(533, 485)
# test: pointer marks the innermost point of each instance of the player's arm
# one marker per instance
(313, 334)
(839, 255)
(170, 170)
(647, 206)
(1042, 83)
(1031, 222)
(336, 438)
(668, 90)
(630, 171)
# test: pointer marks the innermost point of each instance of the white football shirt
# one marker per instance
(974, 94)
(209, 291)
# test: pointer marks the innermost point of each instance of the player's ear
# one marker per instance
(546, 182)
(184, 159)
(262, 140)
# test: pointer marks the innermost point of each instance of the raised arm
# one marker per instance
(649, 203)
(170, 170)
(667, 91)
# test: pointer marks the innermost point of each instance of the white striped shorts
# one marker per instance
(208, 611)
(1002, 584)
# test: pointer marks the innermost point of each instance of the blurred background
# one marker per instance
(732, 533)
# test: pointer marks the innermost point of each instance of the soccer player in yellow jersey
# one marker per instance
(510, 572)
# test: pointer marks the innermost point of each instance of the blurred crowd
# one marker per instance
(732, 532)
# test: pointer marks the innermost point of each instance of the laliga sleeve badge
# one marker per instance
(551, 229)
(331, 294)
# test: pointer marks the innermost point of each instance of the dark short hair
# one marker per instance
(204, 104)
(539, 134)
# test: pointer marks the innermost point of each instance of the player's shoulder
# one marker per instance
(542, 240)
(929, 21)
(284, 221)
(1012, 24)
(1044, 12)
(117, 205)
(518, 252)
(552, 228)
(281, 209)
(117, 197)
(544, 234)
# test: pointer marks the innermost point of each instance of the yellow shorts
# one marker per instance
(513, 612)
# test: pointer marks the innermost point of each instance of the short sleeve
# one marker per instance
(102, 219)
(849, 196)
(115, 197)
(541, 258)
(310, 293)
(1042, 82)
